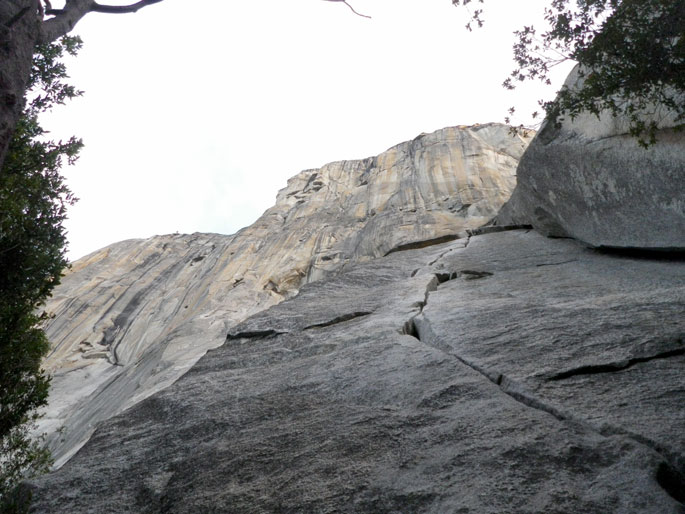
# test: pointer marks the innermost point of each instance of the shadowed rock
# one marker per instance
(591, 180)
(327, 403)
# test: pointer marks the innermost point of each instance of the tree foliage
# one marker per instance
(33, 201)
(631, 55)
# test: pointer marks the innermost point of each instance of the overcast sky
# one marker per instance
(196, 112)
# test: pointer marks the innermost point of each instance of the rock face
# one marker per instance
(589, 179)
(503, 372)
(133, 317)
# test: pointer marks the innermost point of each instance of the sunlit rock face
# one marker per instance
(133, 317)
(589, 179)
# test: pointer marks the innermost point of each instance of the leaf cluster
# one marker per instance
(631, 55)
(33, 203)
(476, 14)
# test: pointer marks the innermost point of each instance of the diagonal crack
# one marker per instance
(671, 473)
(409, 327)
(466, 245)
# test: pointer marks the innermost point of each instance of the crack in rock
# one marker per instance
(555, 263)
(254, 334)
(466, 245)
(423, 244)
(409, 327)
(339, 319)
(474, 274)
(491, 229)
(446, 276)
(613, 367)
(670, 474)
(419, 328)
(672, 481)
(674, 460)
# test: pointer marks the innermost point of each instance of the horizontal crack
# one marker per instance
(555, 263)
(253, 334)
(491, 229)
(473, 274)
(446, 276)
(339, 319)
(423, 244)
(613, 367)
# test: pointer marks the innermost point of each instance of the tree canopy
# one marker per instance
(631, 55)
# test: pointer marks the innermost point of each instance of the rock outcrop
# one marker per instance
(133, 317)
(504, 372)
(590, 179)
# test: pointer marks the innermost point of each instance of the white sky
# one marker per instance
(196, 112)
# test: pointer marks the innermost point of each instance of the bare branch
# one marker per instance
(65, 19)
(120, 9)
(348, 5)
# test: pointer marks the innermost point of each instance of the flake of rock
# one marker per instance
(589, 178)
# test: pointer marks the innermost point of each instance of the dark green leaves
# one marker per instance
(632, 57)
(33, 202)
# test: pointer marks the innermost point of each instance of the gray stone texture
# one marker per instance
(504, 372)
(590, 179)
(133, 317)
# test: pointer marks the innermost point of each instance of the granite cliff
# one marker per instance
(133, 317)
(417, 365)
(502, 372)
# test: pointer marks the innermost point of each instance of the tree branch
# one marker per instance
(348, 5)
(119, 9)
(65, 19)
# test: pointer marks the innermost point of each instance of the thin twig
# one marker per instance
(348, 5)
(355, 12)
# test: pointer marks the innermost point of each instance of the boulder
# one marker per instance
(589, 179)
